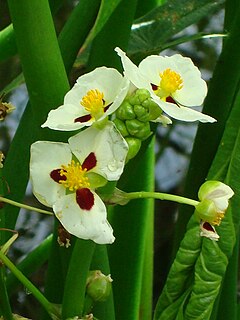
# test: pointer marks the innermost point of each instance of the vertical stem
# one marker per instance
(4, 301)
(74, 291)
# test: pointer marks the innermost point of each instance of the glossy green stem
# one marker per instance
(24, 206)
(160, 196)
(74, 291)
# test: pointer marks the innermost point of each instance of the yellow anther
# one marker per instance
(93, 102)
(75, 176)
(170, 82)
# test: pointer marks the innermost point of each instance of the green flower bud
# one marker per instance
(125, 111)
(154, 110)
(134, 145)
(121, 127)
(139, 96)
(141, 113)
(138, 129)
(98, 286)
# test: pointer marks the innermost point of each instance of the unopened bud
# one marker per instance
(98, 285)
(125, 111)
(134, 145)
(138, 129)
(121, 127)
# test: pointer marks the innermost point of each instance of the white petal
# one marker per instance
(63, 118)
(194, 87)
(107, 80)
(45, 157)
(183, 113)
(132, 72)
(84, 224)
(108, 146)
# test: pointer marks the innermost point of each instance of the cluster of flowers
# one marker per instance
(66, 176)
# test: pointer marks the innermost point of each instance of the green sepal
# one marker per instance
(99, 286)
(96, 180)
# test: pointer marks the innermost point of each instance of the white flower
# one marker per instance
(173, 82)
(95, 95)
(65, 176)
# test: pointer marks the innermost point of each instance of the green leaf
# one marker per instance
(150, 33)
(180, 275)
(106, 9)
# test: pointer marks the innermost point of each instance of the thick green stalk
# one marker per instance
(74, 291)
(131, 225)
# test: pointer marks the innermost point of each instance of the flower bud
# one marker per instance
(98, 285)
(134, 145)
(125, 111)
(141, 113)
(139, 96)
(121, 127)
(138, 129)
(214, 197)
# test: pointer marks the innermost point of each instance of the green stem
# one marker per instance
(37, 294)
(160, 196)
(74, 292)
(5, 305)
(24, 206)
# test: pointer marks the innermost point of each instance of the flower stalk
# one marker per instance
(24, 206)
(49, 307)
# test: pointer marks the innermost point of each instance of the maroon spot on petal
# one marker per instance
(154, 86)
(55, 175)
(107, 107)
(170, 99)
(85, 118)
(90, 162)
(84, 198)
(207, 226)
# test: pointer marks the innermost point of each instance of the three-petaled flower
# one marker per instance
(95, 95)
(64, 176)
(173, 82)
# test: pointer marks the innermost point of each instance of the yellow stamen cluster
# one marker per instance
(93, 102)
(171, 81)
(218, 218)
(75, 176)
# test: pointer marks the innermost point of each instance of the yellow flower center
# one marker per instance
(75, 176)
(218, 218)
(93, 102)
(171, 81)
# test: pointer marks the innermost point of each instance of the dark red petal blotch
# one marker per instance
(208, 227)
(55, 175)
(83, 118)
(154, 87)
(90, 162)
(85, 198)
